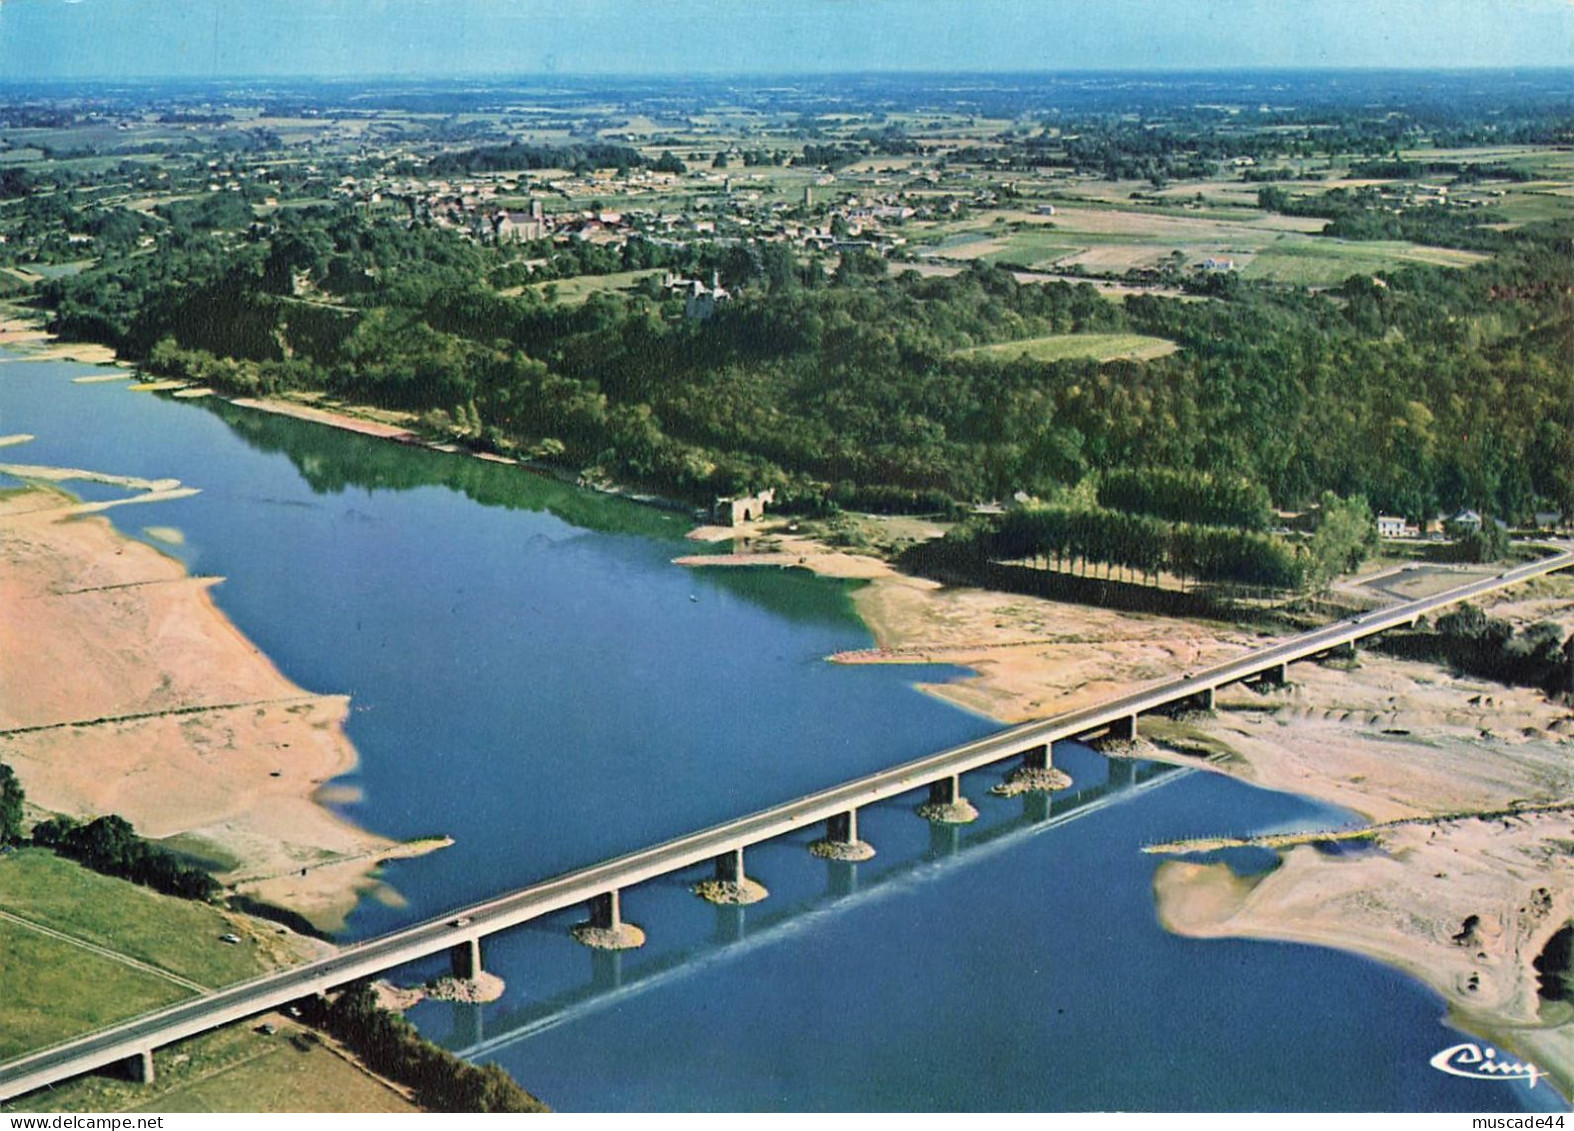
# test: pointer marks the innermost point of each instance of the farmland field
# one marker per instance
(73, 986)
(54, 990)
(1329, 261)
(238, 1068)
(1112, 241)
(1062, 347)
(576, 290)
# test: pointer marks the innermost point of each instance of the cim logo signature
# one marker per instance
(1475, 1063)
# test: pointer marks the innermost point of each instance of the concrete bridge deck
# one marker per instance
(134, 1040)
(961, 846)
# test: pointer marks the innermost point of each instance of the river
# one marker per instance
(532, 676)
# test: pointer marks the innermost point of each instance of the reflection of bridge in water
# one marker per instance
(616, 976)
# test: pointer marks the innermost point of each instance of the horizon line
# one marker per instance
(719, 75)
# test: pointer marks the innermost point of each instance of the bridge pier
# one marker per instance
(606, 929)
(1124, 729)
(729, 867)
(605, 911)
(465, 960)
(1036, 774)
(946, 805)
(140, 1067)
(732, 884)
(1204, 699)
(1276, 676)
(841, 839)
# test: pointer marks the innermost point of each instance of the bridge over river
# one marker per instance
(599, 885)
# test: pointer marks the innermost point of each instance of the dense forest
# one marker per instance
(1424, 390)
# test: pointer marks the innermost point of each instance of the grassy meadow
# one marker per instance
(239, 1068)
(1063, 347)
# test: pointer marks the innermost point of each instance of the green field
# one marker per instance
(1062, 347)
(177, 935)
(54, 988)
(51, 990)
(238, 1068)
(1316, 261)
(1524, 206)
(1110, 241)
(576, 290)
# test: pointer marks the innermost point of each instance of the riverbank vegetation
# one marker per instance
(1467, 639)
(111, 846)
(391, 1046)
(106, 844)
(1137, 543)
(12, 797)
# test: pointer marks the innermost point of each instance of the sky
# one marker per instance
(130, 39)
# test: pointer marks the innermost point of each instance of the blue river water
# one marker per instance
(531, 675)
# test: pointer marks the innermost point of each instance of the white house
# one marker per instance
(1390, 526)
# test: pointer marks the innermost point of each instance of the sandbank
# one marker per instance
(35, 343)
(1030, 657)
(1465, 905)
(324, 416)
(125, 690)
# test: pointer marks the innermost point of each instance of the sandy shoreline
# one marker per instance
(35, 343)
(1031, 657)
(1465, 906)
(126, 690)
(325, 416)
